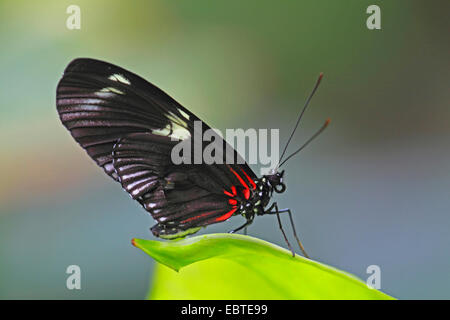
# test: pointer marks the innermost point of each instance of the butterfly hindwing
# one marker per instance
(179, 197)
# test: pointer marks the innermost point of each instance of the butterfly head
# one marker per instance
(275, 180)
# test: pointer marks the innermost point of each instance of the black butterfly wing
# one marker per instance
(127, 126)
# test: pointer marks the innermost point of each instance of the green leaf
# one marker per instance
(231, 266)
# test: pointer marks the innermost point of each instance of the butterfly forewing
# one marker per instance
(99, 103)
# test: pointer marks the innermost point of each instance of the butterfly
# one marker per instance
(128, 127)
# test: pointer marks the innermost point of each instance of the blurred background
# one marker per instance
(373, 189)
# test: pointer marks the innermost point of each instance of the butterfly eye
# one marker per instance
(280, 188)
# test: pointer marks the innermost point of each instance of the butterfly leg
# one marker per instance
(277, 212)
(245, 225)
(295, 232)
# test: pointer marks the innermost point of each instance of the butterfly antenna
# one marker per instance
(301, 115)
(315, 135)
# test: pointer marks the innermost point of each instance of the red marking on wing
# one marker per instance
(233, 192)
(247, 189)
(247, 193)
(221, 218)
(196, 217)
(232, 201)
(226, 215)
(249, 179)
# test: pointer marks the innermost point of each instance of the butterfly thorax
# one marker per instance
(261, 195)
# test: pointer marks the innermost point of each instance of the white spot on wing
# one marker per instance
(180, 133)
(174, 131)
(177, 128)
(162, 132)
(111, 90)
(184, 114)
(120, 78)
(176, 120)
